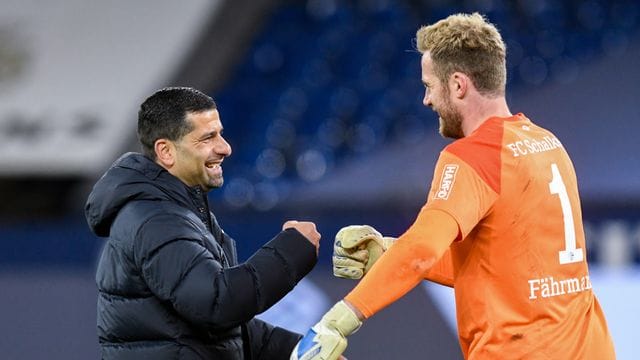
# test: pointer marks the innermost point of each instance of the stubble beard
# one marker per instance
(215, 183)
(450, 121)
(218, 182)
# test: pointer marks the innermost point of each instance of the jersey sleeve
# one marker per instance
(405, 264)
(462, 191)
(442, 271)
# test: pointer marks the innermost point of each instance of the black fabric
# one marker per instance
(275, 343)
(169, 282)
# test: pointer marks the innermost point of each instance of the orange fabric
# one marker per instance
(482, 154)
(442, 271)
(519, 271)
(425, 241)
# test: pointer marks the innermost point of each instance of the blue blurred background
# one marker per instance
(321, 102)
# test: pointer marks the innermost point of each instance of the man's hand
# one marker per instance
(306, 228)
(326, 340)
(356, 249)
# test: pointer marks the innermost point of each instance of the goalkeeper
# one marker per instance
(502, 223)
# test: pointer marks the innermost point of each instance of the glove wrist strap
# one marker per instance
(342, 318)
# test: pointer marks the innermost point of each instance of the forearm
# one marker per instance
(405, 264)
(279, 265)
(210, 296)
(397, 272)
(273, 271)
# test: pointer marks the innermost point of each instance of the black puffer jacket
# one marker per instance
(168, 279)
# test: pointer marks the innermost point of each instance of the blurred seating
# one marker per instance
(327, 80)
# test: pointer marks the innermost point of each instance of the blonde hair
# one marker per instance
(470, 44)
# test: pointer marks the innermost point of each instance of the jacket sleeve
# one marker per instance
(268, 342)
(178, 269)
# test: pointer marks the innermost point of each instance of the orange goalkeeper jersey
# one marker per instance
(519, 266)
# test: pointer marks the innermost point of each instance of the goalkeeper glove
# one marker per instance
(356, 249)
(326, 340)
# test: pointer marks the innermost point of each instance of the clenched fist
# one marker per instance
(307, 229)
(356, 249)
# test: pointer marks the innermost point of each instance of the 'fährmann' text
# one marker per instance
(547, 287)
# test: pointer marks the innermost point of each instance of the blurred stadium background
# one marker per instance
(321, 101)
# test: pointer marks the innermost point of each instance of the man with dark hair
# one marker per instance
(169, 282)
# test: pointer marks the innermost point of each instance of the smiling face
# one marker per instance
(438, 97)
(199, 154)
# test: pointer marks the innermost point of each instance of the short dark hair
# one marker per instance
(163, 115)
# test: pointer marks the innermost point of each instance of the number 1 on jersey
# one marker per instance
(570, 254)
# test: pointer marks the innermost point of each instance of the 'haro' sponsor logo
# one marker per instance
(446, 181)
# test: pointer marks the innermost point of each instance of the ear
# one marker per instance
(165, 152)
(459, 84)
